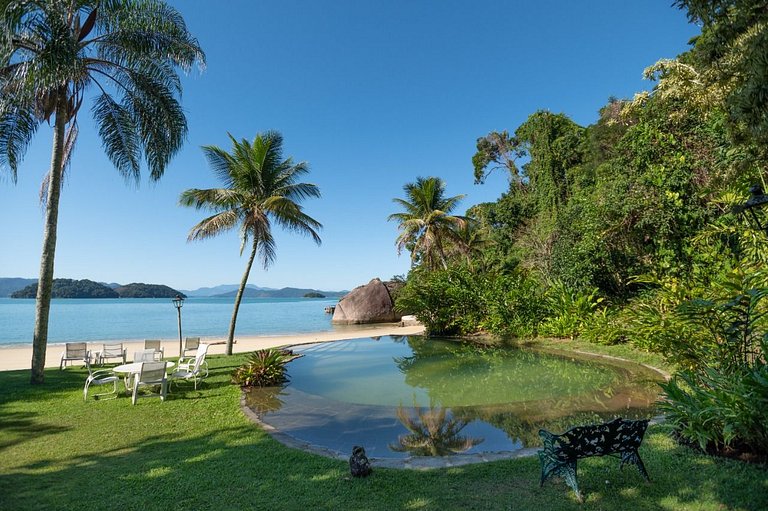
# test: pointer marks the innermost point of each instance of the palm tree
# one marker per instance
(427, 222)
(51, 53)
(469, 242)
(259, 188)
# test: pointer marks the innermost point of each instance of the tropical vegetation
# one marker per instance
(124, 54)
(264, 368)
(260, 188)
(626, 231)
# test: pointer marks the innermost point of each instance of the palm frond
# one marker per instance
(214, 225)
(214, 199)
(17, 127)
(117, 130)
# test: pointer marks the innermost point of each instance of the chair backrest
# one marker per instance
(112, 350)
(199, 358)
(144, 355)
(76, 350)
(191, 343)
(152, 344)
(152, 372)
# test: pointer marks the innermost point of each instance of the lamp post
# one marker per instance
(178, 302)
(756, 200)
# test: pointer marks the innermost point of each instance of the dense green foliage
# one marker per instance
(264, 368)
(623, 231)
(68, 288)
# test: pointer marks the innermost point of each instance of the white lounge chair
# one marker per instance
(190, 346)
(100, 377)
(151, 374)
(147, 355)
(154, 344)
(193, 369)
(74, 352)
(114, 350)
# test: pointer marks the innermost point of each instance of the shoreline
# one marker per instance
(16, 357)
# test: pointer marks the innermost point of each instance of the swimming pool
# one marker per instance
(412, 396)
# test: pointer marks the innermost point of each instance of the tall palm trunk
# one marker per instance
(45, 283)
(239, 297)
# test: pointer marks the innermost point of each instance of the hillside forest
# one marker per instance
(630, 230)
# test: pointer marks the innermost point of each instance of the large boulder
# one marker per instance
(371, 303)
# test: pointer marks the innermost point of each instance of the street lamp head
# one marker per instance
(757, 199)
(178, 302)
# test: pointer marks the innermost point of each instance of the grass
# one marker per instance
(198, 451)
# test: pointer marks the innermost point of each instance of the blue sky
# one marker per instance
(371, 93)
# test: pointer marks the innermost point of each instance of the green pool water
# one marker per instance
(444, 373)
(380, 392)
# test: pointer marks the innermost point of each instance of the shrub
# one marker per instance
(264, 368)
(721, 398)
(446, 302)
(569, 310)
(513, 305)
(717, 410)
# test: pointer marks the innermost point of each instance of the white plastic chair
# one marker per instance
(74, 352)
(152, 373)
(190, 346)
(194, 369)
(115, 350)
(154, 344)
(100, 377)
(147, 355)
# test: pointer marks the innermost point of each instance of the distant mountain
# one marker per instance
(217, 290)
(68, 288)
(10, 284)
(140, 290)
(286, 292)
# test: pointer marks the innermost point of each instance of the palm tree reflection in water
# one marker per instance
(432, 432)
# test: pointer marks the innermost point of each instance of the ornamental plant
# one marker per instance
(264, 368)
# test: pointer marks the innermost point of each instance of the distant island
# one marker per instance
(15, 287)
(68, 288)
(140, 290)
(286, 292)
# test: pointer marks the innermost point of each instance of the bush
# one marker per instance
(569, 311)
(717, 410)
(721, 398)
(446, 302)
(513, 305)
(264, 368)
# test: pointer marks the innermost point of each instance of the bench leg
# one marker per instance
(633, 458)
(568, 471)
(551, 466)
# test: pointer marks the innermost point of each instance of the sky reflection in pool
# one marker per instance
(405, 396)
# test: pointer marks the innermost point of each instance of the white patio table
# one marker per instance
(134, 368)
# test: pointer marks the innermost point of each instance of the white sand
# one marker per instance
(20, 357)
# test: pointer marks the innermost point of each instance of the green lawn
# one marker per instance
(198, 451)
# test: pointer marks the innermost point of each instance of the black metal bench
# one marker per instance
(617, 437)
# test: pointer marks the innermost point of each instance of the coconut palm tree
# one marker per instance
(427, 221)
(260, 188)
(122, 54)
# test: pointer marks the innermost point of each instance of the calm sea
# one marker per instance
(149, 318)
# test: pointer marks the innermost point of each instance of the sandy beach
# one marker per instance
(20, 357)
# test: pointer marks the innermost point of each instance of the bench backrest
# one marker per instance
(616, 436)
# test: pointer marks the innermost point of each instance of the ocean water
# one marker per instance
(151, 318)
